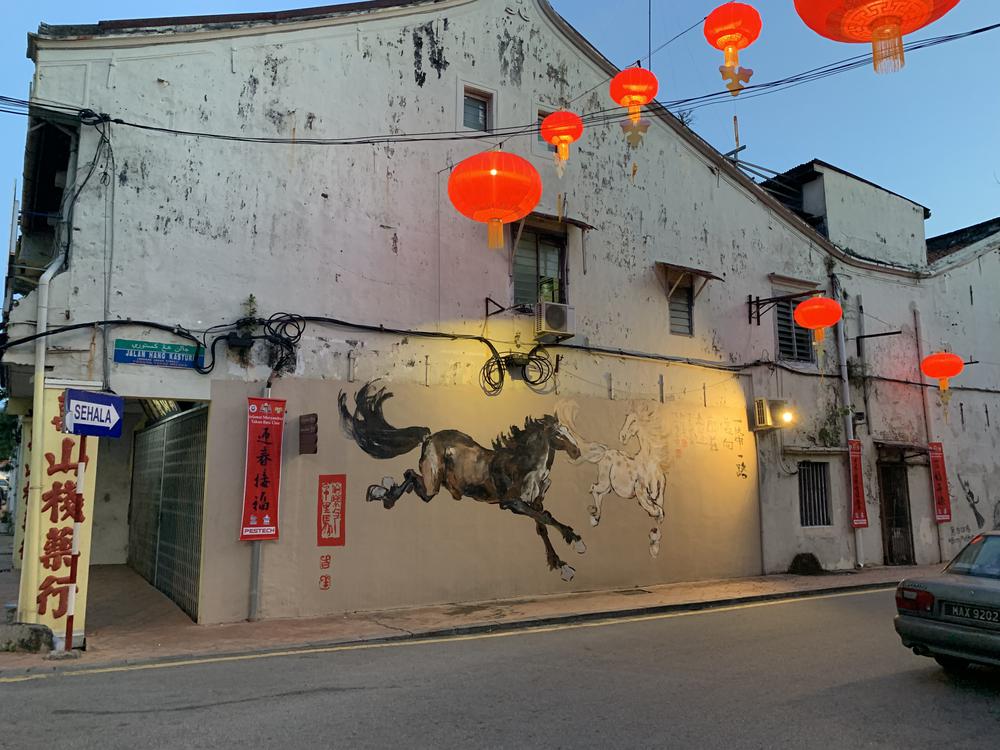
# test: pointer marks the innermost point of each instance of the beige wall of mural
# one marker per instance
(691, 456)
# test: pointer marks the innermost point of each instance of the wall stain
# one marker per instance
(435, 53)
(511, 57)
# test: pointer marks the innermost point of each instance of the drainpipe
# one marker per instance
(918, 332)
(845, 397)
(29, 572)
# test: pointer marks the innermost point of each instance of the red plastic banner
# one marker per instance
(859, 511)
(331, 501)
(939, 483)
(265, 427)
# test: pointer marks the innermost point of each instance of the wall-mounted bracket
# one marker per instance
(756, 306)
(497, 308)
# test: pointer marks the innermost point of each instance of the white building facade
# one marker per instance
(666, 252)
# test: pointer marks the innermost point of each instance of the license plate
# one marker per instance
(969, 612)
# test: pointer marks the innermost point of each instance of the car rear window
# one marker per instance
(981, 557)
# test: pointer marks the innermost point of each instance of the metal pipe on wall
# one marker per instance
(845, 396)
(27, 606)
(918, 333)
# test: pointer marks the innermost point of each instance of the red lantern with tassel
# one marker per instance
(730, 28)
(496, 188)
(561, 129)
(942, 366)
(883, 23)
(817, 314)
(634, 88)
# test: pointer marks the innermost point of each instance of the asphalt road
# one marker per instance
(818, 673)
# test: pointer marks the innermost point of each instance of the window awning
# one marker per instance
(673, 275)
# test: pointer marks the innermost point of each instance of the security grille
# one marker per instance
(794, 342)
(168, 480)
(814, 493)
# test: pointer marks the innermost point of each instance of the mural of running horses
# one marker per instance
(513, 474)
(638, 476)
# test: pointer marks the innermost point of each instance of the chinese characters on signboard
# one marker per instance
(330, 530)
(939, 482)
(859, 511)
(265, 428)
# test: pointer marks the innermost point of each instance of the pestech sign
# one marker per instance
(265, 428)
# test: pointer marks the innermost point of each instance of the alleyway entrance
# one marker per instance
(165, 514)
(897, 530)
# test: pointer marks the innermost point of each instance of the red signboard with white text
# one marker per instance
(265, 426)
(939, 483)
(859, 511)
(332, 496)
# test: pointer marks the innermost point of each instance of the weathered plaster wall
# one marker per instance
(366, 233)
(448, 551)
(872, 222)
(112, 496)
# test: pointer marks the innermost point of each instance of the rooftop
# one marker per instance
(946, 244)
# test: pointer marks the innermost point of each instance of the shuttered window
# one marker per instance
(794, 342)
(549, 146)
(814, 493)
(539, 274)
(682, 311)
(476, 112)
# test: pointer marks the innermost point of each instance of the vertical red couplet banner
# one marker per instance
(331, 501)
(265, 427)
(939, 483)
(859, 511)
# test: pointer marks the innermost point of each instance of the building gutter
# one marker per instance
(27, 607)
(918, 332)
(845, 397)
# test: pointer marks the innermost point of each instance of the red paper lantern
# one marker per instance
(496, 188)
(818, 313)
(732, 27)
(942, 366)
(561, 129)
(881, 22)
(633, 88)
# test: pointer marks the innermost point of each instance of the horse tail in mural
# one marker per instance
(367, 426)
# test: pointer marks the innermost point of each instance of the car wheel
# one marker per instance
(952, 664)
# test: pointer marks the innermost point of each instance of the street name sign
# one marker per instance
(90, 413)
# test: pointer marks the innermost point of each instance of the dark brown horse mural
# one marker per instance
(514, 474)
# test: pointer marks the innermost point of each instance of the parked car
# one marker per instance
(954, 616)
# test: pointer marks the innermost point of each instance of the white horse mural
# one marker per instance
(636, 476)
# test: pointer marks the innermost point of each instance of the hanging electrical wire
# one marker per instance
(598, 117)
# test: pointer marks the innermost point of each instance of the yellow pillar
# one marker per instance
(59, 522)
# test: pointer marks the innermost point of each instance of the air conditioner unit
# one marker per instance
(762, 417)
(554, 319)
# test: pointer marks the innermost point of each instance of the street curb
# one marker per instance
(527, 625)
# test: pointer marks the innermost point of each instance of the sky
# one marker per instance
(928, 132)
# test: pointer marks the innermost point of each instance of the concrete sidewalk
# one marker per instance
(145, 626)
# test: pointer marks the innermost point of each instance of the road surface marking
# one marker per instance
(417, 641)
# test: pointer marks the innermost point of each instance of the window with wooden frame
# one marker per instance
(477, 110)
(683, 286)
(539, 266)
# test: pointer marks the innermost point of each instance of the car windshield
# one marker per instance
(981, 557)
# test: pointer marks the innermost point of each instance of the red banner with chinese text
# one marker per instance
(939, 483)
(331, 499)
(265, 428)
(859, 511)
